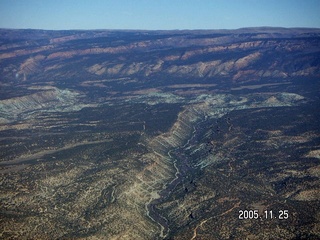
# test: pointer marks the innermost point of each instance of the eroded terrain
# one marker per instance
(159, 135)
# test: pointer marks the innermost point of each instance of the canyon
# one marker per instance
(114, 134)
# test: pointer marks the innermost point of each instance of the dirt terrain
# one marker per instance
(160, 134)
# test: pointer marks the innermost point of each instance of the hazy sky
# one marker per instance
(158, 14)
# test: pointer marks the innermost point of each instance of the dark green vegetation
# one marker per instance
(159, 134)
(255, 162)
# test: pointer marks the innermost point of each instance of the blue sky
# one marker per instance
(158, 14)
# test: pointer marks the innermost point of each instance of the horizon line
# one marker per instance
(150, 30)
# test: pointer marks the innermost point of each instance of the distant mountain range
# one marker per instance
(133, 134)
(231, 57)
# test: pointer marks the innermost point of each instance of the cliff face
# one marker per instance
(159, 134)
(47, 99)
(238, 56)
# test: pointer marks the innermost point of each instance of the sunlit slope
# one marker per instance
(159, 134)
